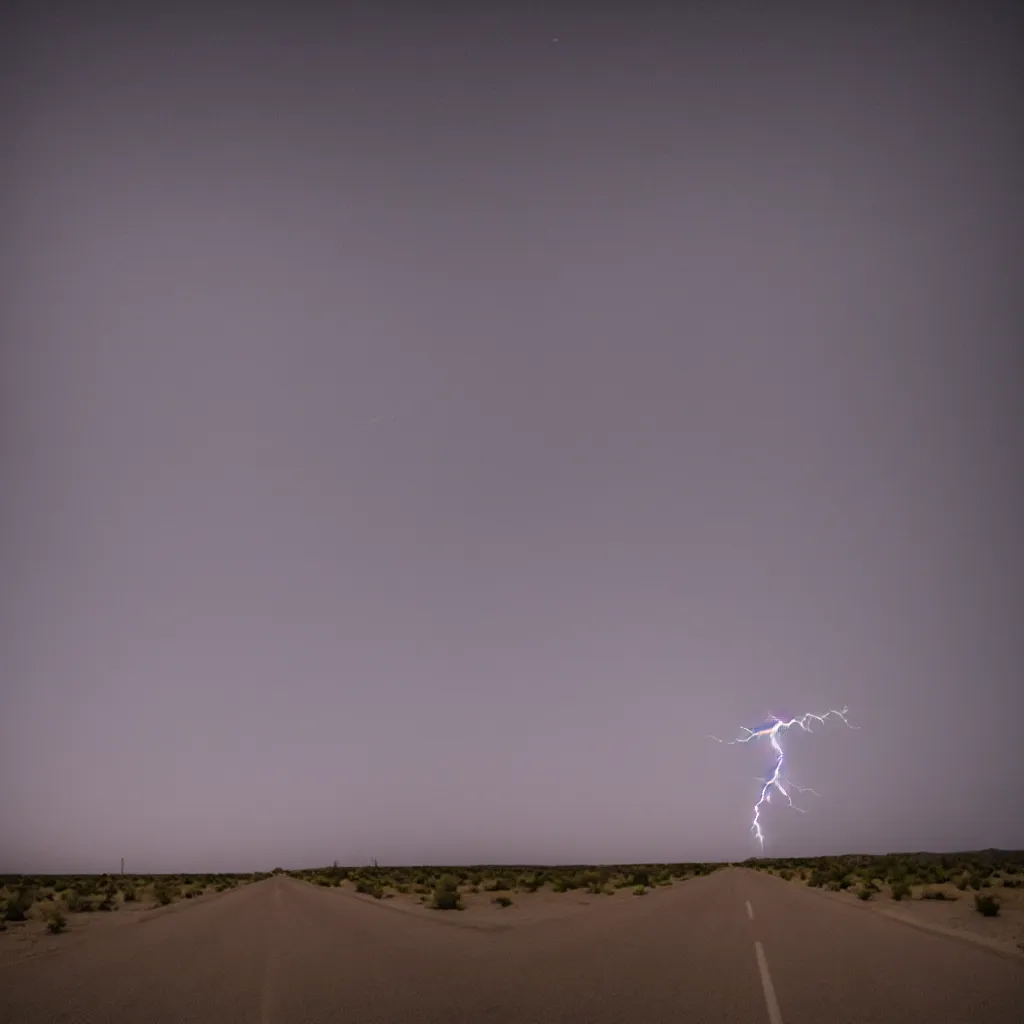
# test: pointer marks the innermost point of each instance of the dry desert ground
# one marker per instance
(734, 944)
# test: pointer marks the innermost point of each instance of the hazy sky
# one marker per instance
(421, 434)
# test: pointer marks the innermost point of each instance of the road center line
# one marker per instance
(774, 1016)
(750, 911)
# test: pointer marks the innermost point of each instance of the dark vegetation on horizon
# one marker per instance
(53, 897)
(441, 887)
(906, 876)
(928, 876)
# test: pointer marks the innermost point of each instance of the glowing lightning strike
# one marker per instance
(772, 729)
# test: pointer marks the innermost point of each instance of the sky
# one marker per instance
(423, 429)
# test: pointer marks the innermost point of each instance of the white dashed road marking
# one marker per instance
(750, 911)
(774, 1016)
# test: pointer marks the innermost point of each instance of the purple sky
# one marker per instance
(421, 434)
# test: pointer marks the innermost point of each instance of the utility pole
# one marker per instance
(122, 865)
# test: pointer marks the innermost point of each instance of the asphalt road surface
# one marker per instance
(736, 946)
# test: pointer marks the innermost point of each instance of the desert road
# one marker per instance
(733, 946)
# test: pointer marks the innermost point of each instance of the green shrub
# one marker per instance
(936, 894)
(56, 922)
(165, 894)
(961, 883)
(446, 893)
(18, 906)
(899, 891)
(865, 892)
(639, 890)
(987, 906)
(446, 899)
(503, 901)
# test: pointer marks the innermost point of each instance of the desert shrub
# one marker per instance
(641, 878)
(1011, 883)
(961, 883)
(639, 890)
(503, 901)
(19, 904)
(987, 906)
(56, 922)
(558, 885)
(817, 879)
(865, 893)
(446, 893)
(786, 874)
(164, 893)
(975, 881)
(446, 899)
(936, 894)
(899, 891)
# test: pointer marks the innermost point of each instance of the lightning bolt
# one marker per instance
(772, 729)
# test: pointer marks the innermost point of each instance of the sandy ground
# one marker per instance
(282, 951)
(955, 915)
(24, 939)
(480, 911)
